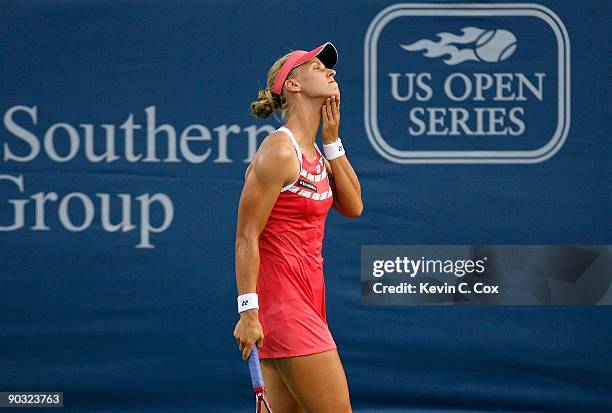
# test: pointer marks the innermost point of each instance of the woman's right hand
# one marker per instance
(248, 332)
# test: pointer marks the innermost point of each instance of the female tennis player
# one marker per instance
(289, 188)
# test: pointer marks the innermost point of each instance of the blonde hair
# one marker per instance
(267, 101)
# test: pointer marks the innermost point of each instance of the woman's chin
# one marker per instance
(335, 89)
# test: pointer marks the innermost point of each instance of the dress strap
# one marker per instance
(297, 150)
(317, 147)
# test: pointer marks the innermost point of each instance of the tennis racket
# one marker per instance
(257, 380)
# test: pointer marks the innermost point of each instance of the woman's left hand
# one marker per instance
(331, 119)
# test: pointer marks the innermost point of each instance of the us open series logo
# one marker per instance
(467, 83)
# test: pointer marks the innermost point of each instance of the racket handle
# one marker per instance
(255, 368)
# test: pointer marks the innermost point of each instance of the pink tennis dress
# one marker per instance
(291, 285)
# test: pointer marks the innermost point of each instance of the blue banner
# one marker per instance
(124, 141)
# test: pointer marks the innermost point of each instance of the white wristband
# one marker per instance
(247, 302)
(333, 150)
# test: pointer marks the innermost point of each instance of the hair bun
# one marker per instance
(264, 105)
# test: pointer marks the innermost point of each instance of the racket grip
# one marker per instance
(255, 368)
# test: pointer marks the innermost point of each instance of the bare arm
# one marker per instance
(345, 187)
(275, 163)
(342, 178)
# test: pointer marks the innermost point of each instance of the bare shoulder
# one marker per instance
(275, 159)
(277, 141)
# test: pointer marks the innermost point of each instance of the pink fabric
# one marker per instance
(291, 284)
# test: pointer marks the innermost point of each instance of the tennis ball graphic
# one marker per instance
(495, 45)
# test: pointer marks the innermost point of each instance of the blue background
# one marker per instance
(120, 329)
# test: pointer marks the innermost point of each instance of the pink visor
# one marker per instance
(327, 53)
